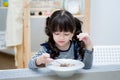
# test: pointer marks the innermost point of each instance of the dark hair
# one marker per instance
(62, 20)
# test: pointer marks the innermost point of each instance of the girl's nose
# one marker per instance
(62, 36)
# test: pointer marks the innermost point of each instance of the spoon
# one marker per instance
(58, 62)
(55, 62)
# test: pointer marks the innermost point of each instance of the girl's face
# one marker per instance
(62, 38)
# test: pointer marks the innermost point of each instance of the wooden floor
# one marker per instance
(7, 61)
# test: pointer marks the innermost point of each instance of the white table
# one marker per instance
(109, 72)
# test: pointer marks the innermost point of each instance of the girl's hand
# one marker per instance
(44, 58)
(86, 39)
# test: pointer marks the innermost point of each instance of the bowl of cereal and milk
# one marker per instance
(65, 67)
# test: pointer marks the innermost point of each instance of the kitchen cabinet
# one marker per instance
(3, 16)
(84, 15)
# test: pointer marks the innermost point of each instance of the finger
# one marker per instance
(77, 36)
(48, 60)
(80, 37)
(46, 55)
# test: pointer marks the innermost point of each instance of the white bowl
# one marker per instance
(67, 68)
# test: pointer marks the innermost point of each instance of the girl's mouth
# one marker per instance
(61, 41)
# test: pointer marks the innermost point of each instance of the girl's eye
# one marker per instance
(56, 33)
(66, 34)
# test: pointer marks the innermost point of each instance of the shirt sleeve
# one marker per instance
(88, 59)
(32, 62)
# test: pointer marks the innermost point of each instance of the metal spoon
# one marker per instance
(58, 62)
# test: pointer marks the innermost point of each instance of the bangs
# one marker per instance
(62, 23)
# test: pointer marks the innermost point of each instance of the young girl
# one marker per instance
(65, 40)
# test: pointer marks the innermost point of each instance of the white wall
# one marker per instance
(38, 35)
(105, 22)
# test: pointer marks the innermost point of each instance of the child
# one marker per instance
(65, 40)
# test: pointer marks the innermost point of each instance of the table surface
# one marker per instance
(105, 72)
